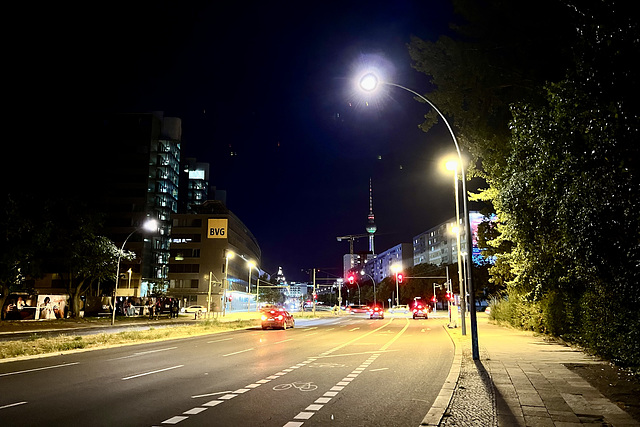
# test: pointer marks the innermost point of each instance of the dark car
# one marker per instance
(277, 318)
(376, 313)
(420, 310)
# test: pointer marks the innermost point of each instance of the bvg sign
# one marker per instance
(217, 228)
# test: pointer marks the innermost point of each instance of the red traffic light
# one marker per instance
(434, 299)
(351, 279)
(400, 277)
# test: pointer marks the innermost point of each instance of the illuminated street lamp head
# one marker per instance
(452, 165)
(150, 225)
(251, 264)
(229, 254)
(369, 82)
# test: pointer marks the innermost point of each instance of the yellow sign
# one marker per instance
(217, 228)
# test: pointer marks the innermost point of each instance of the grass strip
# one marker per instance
(38, 345)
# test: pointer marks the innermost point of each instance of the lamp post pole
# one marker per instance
(369, 82)
(375, 302)
(227, 255)
(149, 225)
(209, 295)
(453, 166)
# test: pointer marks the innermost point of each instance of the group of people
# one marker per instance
(155, 309)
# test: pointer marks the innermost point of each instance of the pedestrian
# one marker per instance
(157, 309)
(151, 307)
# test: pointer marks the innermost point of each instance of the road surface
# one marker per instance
(343, 371)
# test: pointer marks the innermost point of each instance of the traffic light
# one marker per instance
(400, 277)
(315, 296)
(434, 299)
(351, 279)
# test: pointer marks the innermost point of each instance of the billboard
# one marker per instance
(217, 228)
(477, 254)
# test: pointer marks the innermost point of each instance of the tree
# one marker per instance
(557, 143)
(92, 258)
(25, 236)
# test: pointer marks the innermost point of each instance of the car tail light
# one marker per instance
(415, 310)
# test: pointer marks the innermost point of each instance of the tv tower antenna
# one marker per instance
(371, 224)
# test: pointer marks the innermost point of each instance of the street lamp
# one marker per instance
(149, 225)
(228, 254)
(375, 302)
(395, 269)
(369, 82)
(251, 266)
(452, 165)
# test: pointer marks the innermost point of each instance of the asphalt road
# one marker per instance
(347, 371)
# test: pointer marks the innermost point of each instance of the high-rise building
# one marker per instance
(136, 178)
(194, 185)
(382, 265)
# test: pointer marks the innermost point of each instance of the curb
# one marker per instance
(440, 405)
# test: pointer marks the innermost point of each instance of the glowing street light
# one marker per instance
(370, 82)
(149, 225)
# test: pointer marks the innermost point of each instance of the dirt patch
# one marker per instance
(620, 386)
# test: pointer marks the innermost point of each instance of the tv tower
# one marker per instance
(371, 225)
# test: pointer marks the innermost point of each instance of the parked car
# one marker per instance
(376, 313)
(194, 309)
(276, 318)
(399, 309)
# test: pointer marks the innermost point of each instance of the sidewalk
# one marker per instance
(520, 380)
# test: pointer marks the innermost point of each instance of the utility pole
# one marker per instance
(314, 292)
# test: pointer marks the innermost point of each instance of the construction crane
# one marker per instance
(351, 238)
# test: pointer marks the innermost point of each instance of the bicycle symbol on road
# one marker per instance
(302, 386)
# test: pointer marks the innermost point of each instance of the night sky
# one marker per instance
(271, 84)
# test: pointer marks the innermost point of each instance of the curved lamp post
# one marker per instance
(370, 82)
(150, 225)
(362, 273)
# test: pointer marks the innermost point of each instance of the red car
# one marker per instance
(277, 318)
(376, 313)
(357, 309)
(420, 310)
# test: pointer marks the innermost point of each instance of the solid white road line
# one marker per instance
(152, 372)
(142, 353)
(12, 405)
(39, 369)
(220, 340)
(237, 352)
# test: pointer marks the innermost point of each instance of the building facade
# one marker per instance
(439, 245)
(382, 265)
(199, 266)
(136, 179)
(194, 185)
